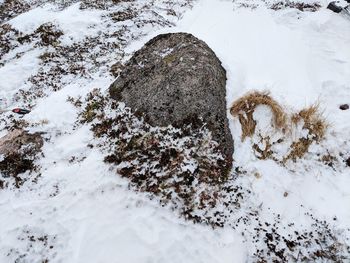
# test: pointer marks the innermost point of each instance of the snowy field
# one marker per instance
(80, 210)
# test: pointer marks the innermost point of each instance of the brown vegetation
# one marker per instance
(316, 126)
(309, 7)
(313, 122)
(310, 118)
(19, 150)
(245, 106)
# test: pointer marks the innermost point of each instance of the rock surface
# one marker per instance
(15, 140)
(18, 150)
(176, 79)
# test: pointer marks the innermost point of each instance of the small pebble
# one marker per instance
(348, 162)
(344, 106)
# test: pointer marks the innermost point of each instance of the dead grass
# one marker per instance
(310, 118)
(263, 149)
(245, 106)
(316, 126)
(313, 122)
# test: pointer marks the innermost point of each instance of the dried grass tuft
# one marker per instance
(264, 152)
(316, 126)
(313, 122)
(310, 118)
(245, 106)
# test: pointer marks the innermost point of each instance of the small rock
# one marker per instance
(344, 107)
(15, 140)
(348, 162)
(257, 175)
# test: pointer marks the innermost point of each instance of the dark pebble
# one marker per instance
(344, 107)
(348, 162)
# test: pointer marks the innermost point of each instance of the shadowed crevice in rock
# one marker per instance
(176, 79)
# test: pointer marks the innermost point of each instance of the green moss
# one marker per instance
(169, 58)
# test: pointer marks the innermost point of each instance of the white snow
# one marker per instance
(15, 74)
(300, 61)
(300, 57)
(72, 21)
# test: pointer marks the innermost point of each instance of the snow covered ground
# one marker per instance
(79, 210)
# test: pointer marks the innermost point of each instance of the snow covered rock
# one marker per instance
(176, 79)
(18, 150)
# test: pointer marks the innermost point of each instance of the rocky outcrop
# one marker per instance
(176, 79)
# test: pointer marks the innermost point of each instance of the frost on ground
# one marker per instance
(181, 169)
(183, 166)
(68, 46)
(75, 207)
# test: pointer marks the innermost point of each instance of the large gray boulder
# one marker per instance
(176, 79)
